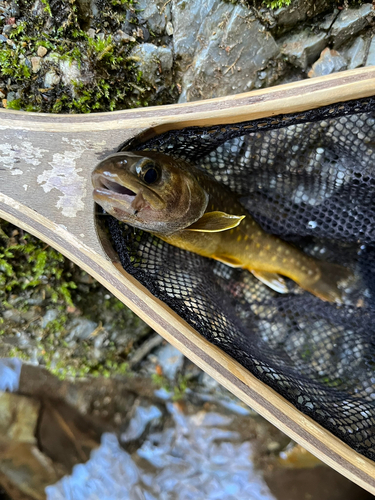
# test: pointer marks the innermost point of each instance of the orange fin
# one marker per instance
(214, 222)
(333, 279)
(272, 280)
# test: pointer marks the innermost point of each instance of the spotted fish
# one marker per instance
(189, 209)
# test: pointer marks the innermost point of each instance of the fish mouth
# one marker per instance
(107, 188)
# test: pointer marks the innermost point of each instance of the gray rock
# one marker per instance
(297, 12)
(370, 61)
(50, 315)
(7, 29)
(149, 57)
(349, 22)
(14, 10)
(70, 71)
(156, 13)
(82, 328)
(171, 360)
(51, 78)
(329, 19)
(220, 48)
(302, 48)
(330, 61)
(356, 54)
(143, 415)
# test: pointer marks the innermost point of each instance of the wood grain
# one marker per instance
(45, 167)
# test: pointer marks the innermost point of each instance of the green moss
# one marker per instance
(110, 79)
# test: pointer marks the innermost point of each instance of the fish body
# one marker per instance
(189, 209)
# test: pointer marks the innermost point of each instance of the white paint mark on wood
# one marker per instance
(65, 177)
(13, 155)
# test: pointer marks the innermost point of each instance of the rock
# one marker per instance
(371, 53)
(297, 12)
(156, 13)
(51, 78)
(7, 29)
(349, 22)
(35, 64)
(42, 51)
(69, 72)
(302, 48)
(50, 315)
(169, 28)
(14, 10)
(329, 19)
(220, 48)
(10, 371)
(356, 54)
(170, 359)
(120, 36)
(149, 57)
(330, 61)
(141, 418)
(91, 33)
(37, 9)
(81, 328)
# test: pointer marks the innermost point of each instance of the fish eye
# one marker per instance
(150, 173)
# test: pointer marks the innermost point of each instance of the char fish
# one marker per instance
(189, 209)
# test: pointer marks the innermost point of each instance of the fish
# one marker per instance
(186, 207)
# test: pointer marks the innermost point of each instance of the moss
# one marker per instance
(109, 78)
(26, 262)
(33, 273)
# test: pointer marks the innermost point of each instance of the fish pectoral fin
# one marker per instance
(272, 280)
(214, 222)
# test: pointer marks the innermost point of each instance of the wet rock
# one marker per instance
(42, 51)
(70, 72)
(349, 22)
(169, 28)
(156, 13)
(302, 48)
(14, 10)
(329, 19)
(142, 417)
(356, 54)
(50, 315)
(122, 37)
(330, 61)
(150, 60)
(370, 61)
(220, 48)
(37, 9)
(7, 29)
(10, 371)
(82, 328)
(35, 64)
(297, 12)
(171, 360)
(51, 78)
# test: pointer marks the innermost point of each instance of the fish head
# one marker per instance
(149, 190)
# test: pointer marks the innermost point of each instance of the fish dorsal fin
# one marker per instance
(214, 222)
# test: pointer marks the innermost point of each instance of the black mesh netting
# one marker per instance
(309, 178)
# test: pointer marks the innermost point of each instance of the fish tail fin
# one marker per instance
(329, 287)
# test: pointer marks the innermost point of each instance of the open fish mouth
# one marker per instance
(109, 188)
